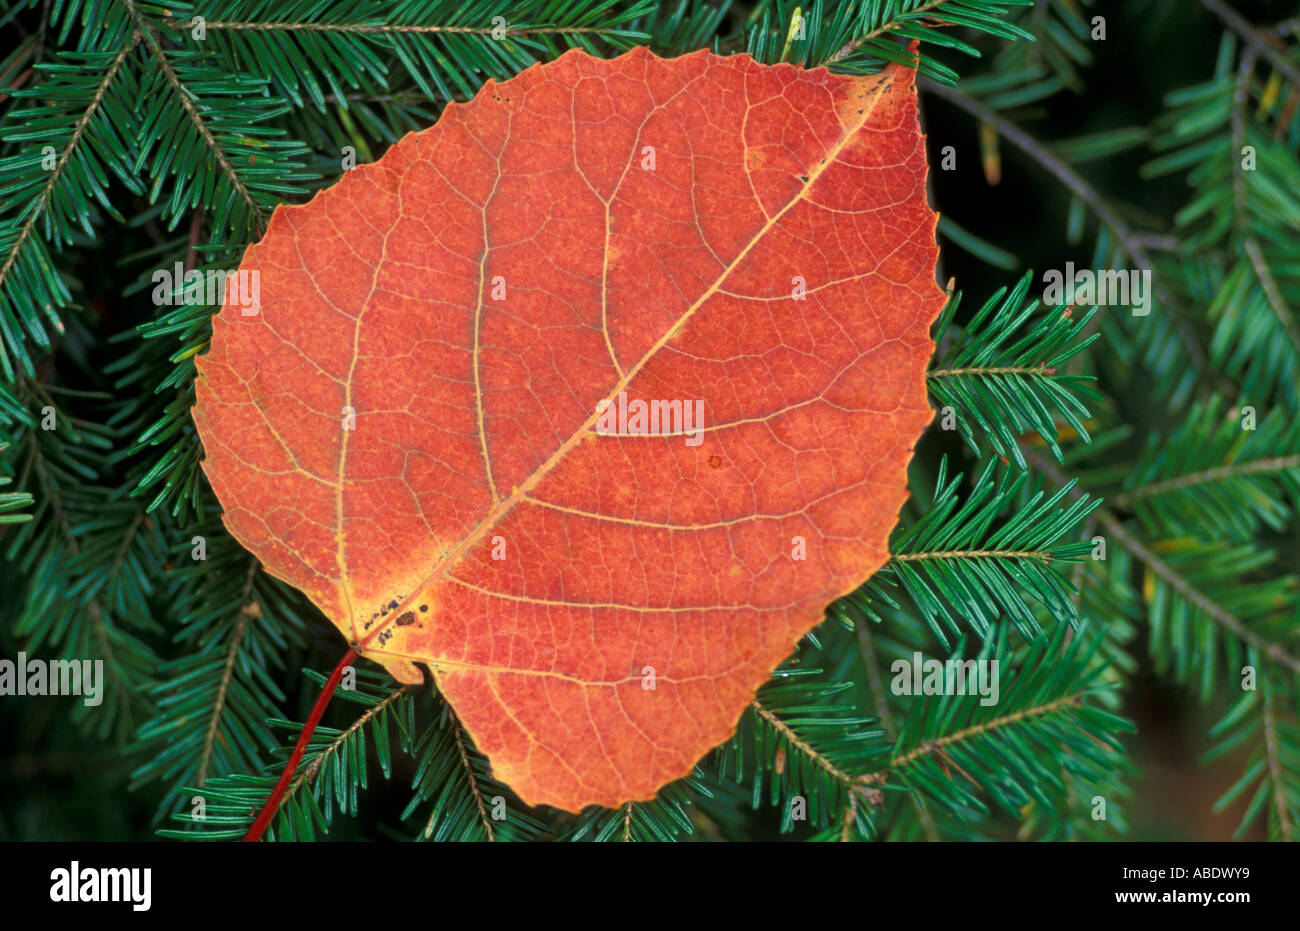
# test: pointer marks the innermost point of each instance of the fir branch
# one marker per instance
(1187, 590)
(994, 370)
(213, 697)
(398, 29)
(961, 566)
(309, 772)
(334, 770)
(1245, 215)
(443, 47)
(1275, 770)
(38, 204)
(1001, 374)
(1067, 176)
(1224, 618)
(86, 557)
(1220, 473)
(214, 722)
(227, 672)
(1005, 749)
(30, 287)
(975, 730)
(465, 802)
(801, 745)
(1269, 284)
(857, 36)
(663, 819)
(1240, 98)
(463, 750)
(922, 9)
(1213, 477)
(875, 685)
(1042, 555)
(1270, 766)
(801, 737)
(13, 504)
(182, 96)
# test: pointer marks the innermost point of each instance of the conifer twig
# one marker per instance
(42, 199)
(1218, 473)
(227, 673)
(1275, 769)
(974, 554)
(994, 370)
(937, 745)
(314, 766)
(802, 745)
(1172, 577)
(150, 37)
(387, 29)
(857, 43)
(1238, 24)
(473, 781)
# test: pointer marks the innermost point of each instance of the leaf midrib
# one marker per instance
(520, 492)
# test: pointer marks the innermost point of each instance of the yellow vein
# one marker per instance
(494, 516)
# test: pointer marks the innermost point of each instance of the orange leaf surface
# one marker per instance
(409, 428)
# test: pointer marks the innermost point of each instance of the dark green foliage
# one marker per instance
(1000, 374)
(967, 559)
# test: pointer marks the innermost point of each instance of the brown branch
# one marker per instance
(846, 821)
(876, 685)
(1240, 97)
(1238, 24)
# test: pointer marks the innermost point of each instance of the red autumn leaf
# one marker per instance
(408, 425)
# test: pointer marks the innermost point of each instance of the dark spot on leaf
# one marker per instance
(424, 607)
(405, 619)
(714, 461)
